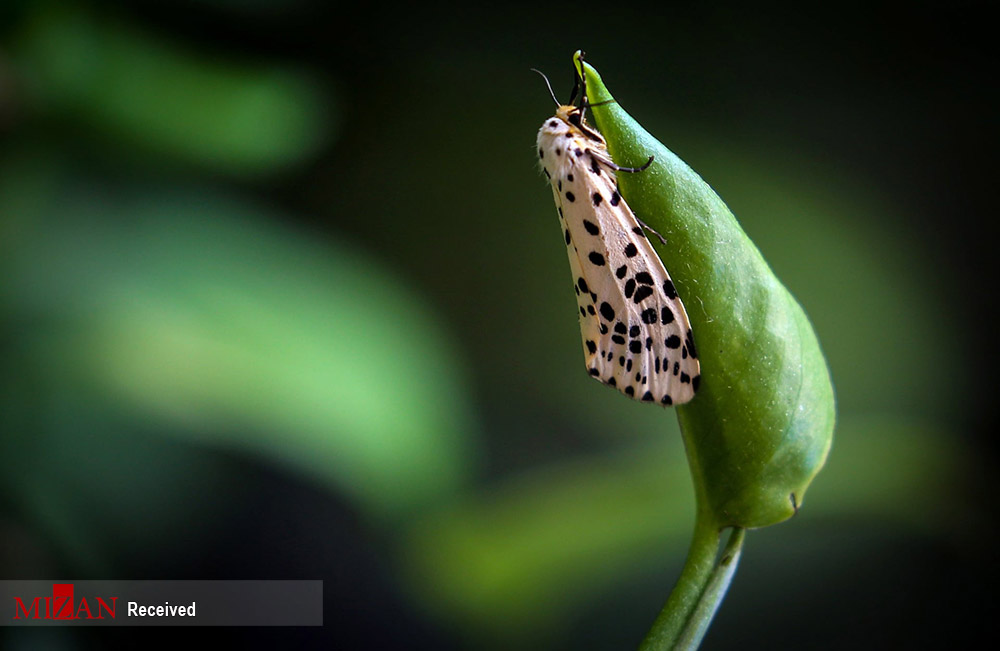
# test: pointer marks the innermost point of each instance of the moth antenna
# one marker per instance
(584, 100)
(547, 85)
(581, 85)
(577, 79)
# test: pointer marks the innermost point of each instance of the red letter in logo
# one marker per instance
(62, 598)
(102, 605)
(27, 613)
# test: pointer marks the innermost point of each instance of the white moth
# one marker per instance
(636, 334)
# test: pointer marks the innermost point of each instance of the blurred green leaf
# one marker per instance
(199, 311)
(140, 89)
(520, 560)
(525, 555)
(761, 424)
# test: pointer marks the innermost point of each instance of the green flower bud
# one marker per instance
(761, 425)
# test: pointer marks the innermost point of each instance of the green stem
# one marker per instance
(700, 589)
(715, 591)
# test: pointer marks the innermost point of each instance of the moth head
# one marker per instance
(573, 116)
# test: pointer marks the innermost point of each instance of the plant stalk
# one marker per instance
(699, 591)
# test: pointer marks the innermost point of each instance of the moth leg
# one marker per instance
(652, 230)
(619, 168)
(607, 162)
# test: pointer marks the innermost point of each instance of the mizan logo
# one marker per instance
(62, 605)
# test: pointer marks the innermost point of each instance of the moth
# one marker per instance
(636, 333)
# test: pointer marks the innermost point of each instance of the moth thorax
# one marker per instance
(569, 114)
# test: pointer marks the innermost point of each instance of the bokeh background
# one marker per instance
(282, 295)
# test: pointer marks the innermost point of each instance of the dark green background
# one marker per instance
(283, 296)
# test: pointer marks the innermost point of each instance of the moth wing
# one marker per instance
(645, 348)
(635, 331)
